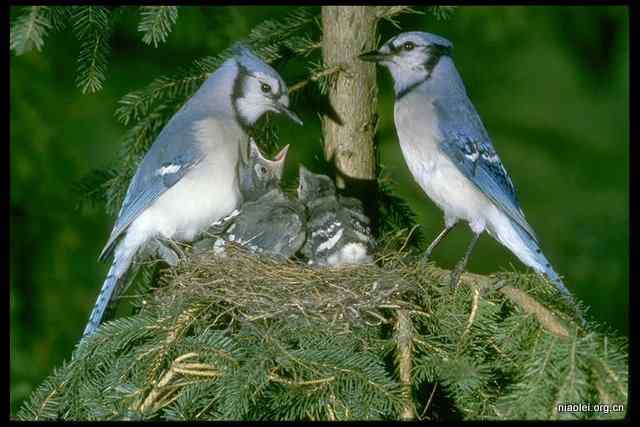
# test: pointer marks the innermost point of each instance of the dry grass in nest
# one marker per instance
(261, 287)
(250, 287)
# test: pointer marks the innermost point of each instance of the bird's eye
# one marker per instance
(408, 45)
(261, 170)
(265, 88)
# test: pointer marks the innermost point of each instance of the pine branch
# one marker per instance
(156, 23)
(388, 12)
(92, 187)
(30, 29)
(404, 339)
(323, 77)
(92, 28)
(394, 212)
(442, 12)
(59, 16)
(271, 340)
(316, 76)
(529, 305)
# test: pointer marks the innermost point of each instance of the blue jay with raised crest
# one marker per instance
(338, 232)
(189, 177)
(449, 152)
(267, 222)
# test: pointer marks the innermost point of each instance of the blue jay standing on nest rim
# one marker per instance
(449, 152)
(189, 177)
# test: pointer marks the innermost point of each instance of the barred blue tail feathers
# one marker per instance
(527, 249)
(115, 276)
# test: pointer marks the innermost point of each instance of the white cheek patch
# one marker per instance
(172, 168)
(252, 107)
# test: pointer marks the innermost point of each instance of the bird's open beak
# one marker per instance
(293, 116)
(372, 56)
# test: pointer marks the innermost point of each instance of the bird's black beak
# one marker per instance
(293, 116)
(372, 56)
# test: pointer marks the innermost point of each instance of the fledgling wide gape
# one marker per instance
(268, 222)
(189, 177)
(338, 232)
(449, 152)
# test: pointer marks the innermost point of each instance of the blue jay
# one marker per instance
(189, 177)
(268, 221)
(449, 152)
(337, 230)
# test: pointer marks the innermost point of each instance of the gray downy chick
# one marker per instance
(338, 232)
(268, 221)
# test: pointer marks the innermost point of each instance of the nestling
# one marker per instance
(337, 230)
(268, 221)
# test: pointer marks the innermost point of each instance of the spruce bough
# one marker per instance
(247, 337)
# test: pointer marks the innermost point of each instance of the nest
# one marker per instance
(256, 287)
(245, 286)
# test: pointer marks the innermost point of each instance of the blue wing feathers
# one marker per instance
(139, 197)
(485, 171)
(466, 142)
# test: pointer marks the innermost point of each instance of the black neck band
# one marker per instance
(236, 93)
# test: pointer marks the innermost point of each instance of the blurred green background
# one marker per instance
(551, 84)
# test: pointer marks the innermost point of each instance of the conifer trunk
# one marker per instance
(347, 32)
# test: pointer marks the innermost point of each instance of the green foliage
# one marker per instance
(92, 28)
(91, 25)
(91, 187)
(30, 29)
(394, 213)
(156, 23)
(281, 341)
(442, 12)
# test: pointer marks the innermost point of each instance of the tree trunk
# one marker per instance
(347, 32)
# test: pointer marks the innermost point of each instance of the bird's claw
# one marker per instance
(167, 252)
(424, 259)
(455, 277)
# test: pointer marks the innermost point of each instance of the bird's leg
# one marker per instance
(218, 227)
(162, 249)
(462, 264)
(436, 242)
